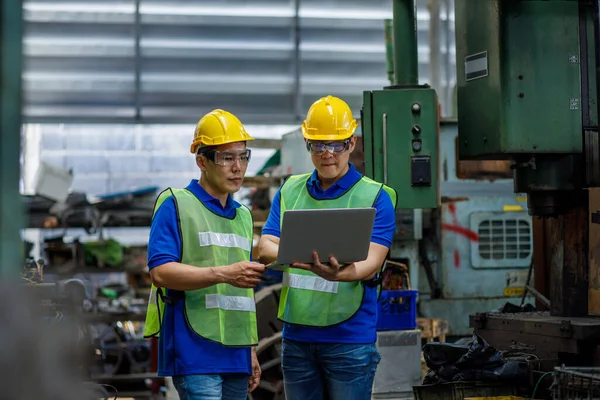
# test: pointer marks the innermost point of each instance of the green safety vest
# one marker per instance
(306, 298)
(222, 313)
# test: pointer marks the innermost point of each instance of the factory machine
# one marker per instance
(527, 76)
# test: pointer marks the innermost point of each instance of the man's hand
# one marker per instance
(245, 274)
(254, 380)
(329, 272)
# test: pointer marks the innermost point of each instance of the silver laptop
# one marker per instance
(344, 233)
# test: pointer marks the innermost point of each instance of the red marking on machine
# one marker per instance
(452, 209)
(461, 230)
(458, 229)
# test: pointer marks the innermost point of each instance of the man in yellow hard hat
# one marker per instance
(199, 254)
(329, 330)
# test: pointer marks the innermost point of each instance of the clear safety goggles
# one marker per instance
(332, 147)
(228, 158)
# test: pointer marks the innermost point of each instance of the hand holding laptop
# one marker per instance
(327, 271)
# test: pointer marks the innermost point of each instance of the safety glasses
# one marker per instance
(332, 147)
(228, 158)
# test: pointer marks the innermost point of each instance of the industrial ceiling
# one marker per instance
(156, 61)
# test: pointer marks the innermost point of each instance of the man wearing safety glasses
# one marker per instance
(202, 303)
(329, 334)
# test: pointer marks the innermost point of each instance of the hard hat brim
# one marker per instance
(196, 144)
(329, 137)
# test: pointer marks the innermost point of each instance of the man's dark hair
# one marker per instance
(206, 150)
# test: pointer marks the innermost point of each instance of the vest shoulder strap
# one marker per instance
(292, 183)
(164, 195)
(246, 214)
(295, 179)
(244, 209)
(393, 195)
(389, 190)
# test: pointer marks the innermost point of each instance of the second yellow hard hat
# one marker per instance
(329, 118)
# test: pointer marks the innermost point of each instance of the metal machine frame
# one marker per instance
(528, 93)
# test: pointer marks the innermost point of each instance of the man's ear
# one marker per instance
(352, 143)
(201, 162)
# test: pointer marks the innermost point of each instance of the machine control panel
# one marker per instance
(420, 168)
(401, 142)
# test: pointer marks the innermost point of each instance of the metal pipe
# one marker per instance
(297, 78)
(385, 158)
(538, 296)
(138, 62)
(389, 49)
(406, 71)
(527, 283)
(434, 45)
(447, 64)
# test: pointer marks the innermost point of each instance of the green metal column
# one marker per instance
(11, 209)
(406, 66)
(389, 49)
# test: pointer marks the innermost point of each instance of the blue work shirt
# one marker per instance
(360, 329)
(181, 350)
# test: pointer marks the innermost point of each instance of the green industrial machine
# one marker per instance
(400, 123)
(526, 74)
(527, 91)
(526, 81)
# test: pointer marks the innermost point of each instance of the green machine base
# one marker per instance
(401, 141)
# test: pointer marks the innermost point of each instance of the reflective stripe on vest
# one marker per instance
(307, 299)
(221, 313)
(237, 303)
(315, 283)
(224, 240)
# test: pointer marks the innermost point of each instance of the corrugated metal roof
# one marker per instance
(101, 61)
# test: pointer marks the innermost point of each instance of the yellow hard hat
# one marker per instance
(218, 127)
(329, 118)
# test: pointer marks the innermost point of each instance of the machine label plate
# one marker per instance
(476, 66)
(574, 104)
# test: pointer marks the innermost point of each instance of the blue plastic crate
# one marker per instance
(397, 310)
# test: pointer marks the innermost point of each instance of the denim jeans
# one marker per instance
(331, 371)
(212, 387)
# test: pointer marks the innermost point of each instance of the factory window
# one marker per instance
(504, 239)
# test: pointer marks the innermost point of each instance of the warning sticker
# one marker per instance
(514, 291)
(515, 283)
(476, 66)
